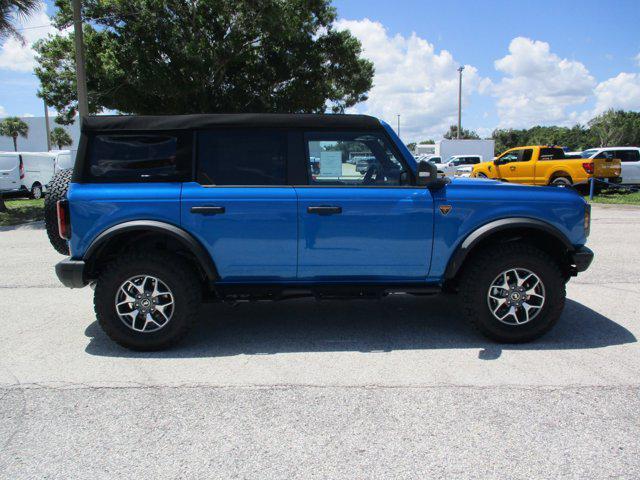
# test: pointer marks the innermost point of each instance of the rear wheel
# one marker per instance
(147, 301)
(57, 191)
(561, 182)
(513, 296)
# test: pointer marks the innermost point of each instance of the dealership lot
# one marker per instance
(398, 388)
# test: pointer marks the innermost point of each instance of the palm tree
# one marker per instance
(12, 9)
(14, 127)
(61, 138)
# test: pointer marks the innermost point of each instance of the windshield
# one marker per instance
(588, 153)
(450, 159)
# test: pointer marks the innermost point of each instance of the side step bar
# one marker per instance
(254, 293)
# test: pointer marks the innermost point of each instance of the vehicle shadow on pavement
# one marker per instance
(395, 323)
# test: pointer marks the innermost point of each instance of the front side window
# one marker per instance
(242, 157)
(352, 159)
(510, 156)
(139, 157)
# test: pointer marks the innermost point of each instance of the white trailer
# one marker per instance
(448, 148)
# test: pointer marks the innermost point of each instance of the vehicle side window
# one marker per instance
(158, 156)
(510, 156)
(525, 155)
(549, 153)
(241, 157)
(471, 160)
(356, 159)
(606, 154)
(627, 155)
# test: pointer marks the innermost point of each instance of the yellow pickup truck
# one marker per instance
(546, 165)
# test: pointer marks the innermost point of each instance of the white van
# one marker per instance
(40, 167)
(11, 172)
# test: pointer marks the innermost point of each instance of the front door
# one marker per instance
(360, 224)
(520, 167)
(241, 207)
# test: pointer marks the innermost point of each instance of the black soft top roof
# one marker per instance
(101, 123)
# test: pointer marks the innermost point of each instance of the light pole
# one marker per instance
(398, 125)
(81, 79)
(460, 69)
(46, 125)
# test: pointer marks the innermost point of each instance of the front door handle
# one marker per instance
(208, 210)
(324, 210)
(512, 168)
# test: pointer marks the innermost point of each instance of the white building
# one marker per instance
(36, 141)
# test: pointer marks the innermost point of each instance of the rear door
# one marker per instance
(240, 206)
(630, 163)
(361, 227)
(9, 172)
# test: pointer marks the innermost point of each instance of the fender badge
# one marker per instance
(445, 209)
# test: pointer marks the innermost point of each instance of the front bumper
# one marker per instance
(71, 273)
(581, 258)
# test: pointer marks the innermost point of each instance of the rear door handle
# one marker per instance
(512, 168)
(324, 210)
(208, 210)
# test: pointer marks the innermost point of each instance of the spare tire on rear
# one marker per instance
(57, 191)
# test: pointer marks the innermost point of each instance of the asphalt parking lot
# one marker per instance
(398, 388)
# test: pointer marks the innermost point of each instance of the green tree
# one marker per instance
(465, 134)
(616, 128)
(14, 127)
(180, 56)
(411, 146)
(61, 138)
(12, 9)
(427, 142)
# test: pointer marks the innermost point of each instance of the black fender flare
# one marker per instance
(189, 241)
(481, 233)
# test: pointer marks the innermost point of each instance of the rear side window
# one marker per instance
(242, 157)
(627, 155)
(551, 154)
(160, 157)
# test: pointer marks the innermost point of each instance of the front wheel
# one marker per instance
(513, 295)
(482, 175)
(147, 301)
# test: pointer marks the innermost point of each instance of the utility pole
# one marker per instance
(46, 125)
(81, 79)
(460, 69)
(398, 125)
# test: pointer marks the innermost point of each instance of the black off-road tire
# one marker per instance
(171, 269)
(57, 191)
(486, 265)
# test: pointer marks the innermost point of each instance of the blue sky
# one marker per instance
(527, 63)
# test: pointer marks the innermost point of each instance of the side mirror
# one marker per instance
(428, 175)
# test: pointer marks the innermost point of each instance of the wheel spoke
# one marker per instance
(516, 296)
(139, 298)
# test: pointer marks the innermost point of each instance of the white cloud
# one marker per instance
(638, 59)
(413, 80)
(539, 86)
(619, 92)
(3, 111)
(21, 58)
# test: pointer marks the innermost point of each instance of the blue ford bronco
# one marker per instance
(164, 212)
